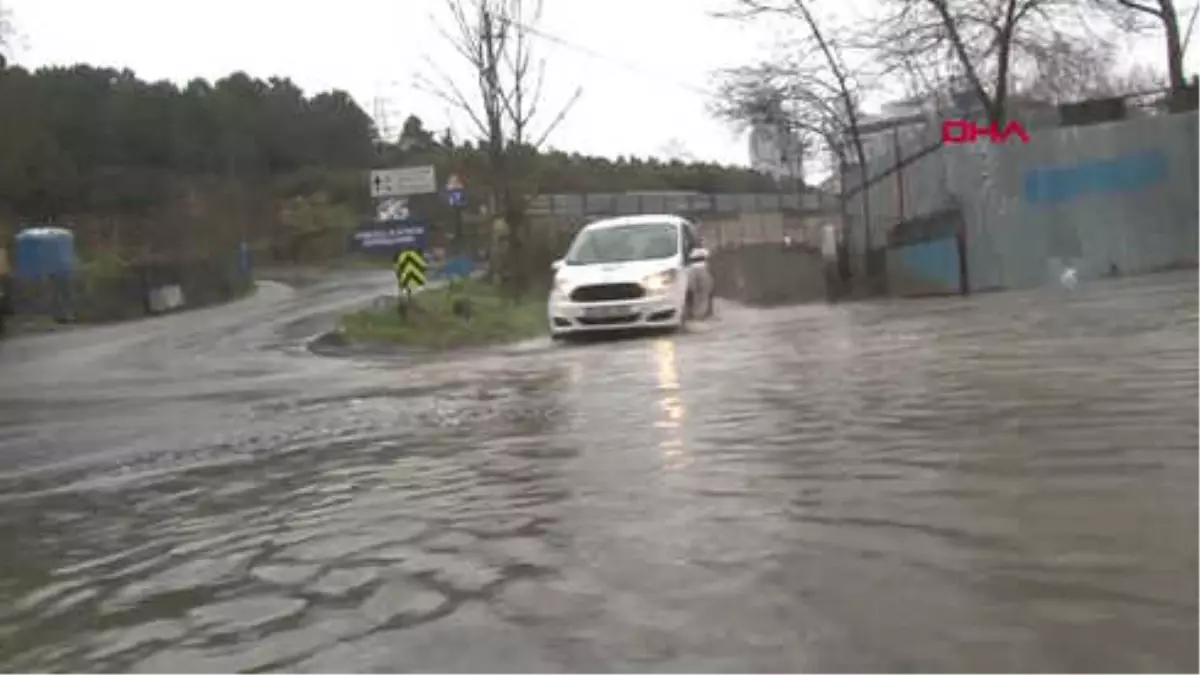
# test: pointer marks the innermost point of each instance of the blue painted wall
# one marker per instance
(925, 267)
(1124, 173)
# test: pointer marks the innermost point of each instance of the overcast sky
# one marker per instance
(644, 65)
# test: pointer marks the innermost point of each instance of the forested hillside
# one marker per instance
(154, 168)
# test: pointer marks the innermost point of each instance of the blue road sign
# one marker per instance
(390, 236)
(456, 196)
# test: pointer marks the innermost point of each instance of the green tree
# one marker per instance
(153, 164)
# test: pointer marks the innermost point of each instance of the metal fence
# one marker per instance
(1120, 195)
(631, 203)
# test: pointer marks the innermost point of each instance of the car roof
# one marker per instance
(636, 220)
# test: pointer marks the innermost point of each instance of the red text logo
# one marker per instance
(966, 131)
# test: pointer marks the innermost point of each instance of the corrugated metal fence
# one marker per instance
(1111, 197)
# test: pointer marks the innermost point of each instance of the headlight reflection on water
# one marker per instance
(670, 404)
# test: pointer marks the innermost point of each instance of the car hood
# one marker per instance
(613, 273)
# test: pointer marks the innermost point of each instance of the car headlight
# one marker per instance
(561, 287)
(657, 283)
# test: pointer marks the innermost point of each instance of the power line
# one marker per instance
(627, 65)
(640, 69)
(630, 66)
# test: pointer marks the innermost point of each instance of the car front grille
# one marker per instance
(607, 292)
(609, 320)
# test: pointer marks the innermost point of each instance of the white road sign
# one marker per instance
(392, 208)
(413, 180)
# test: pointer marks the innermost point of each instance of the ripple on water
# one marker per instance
(184, 576)
(243, 614)
(1005, 482)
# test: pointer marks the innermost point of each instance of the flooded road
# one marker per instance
(1006, 482)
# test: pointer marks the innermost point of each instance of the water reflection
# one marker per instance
(951, 485)
(670, 404)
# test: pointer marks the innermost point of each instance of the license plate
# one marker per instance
(607, 312)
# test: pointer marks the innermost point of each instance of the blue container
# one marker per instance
(43, 252)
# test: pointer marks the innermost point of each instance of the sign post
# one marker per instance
(410, 271)
(394, 230)
(456, 196)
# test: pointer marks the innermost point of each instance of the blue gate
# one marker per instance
(924, 256)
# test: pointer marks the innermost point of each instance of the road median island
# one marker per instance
(466, 313)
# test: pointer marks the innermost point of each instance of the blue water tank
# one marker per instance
(43, 252)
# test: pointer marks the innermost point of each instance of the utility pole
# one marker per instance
(382, 126)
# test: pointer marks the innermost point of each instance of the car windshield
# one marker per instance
(623, 243)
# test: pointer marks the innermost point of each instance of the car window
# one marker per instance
(623, 243)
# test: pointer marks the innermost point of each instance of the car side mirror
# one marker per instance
(697, 255)
(556, 264)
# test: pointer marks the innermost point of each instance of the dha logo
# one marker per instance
(965, 132)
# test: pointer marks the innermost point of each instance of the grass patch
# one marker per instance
(432, 322)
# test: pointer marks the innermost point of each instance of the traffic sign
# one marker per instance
(391, 235)
(456, 194)
(413, 180)
(410, 269)
(392, 208)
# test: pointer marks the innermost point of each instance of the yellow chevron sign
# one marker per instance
(410, 269)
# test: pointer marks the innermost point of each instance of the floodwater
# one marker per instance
(1003, 482)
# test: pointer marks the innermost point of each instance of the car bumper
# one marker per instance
(566, 317)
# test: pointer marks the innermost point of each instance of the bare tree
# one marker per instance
(776, 96)
(1089, 73)
(6, 33)
(988, 47)
(494, 38)
(1138, 16)
(676, 150)
(813, 90)
(1139, 79)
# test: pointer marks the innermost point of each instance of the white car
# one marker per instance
(646, 271)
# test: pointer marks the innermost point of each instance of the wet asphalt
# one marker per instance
(1002, 482)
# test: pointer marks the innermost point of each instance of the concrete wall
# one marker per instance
(1118, 194)
(768, 274)
(629, 203)
(718, 230)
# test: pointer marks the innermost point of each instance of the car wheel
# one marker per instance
(689, 311)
